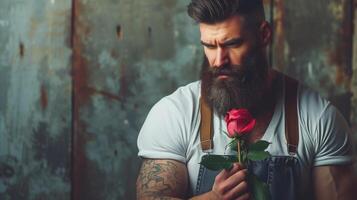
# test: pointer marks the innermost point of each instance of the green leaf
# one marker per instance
(233, 145)
(261, 145)
(218, 162)
(259, 189)
(258, 155)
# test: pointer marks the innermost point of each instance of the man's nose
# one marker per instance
(221, 57)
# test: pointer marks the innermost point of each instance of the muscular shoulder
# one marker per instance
(181, 107)
(181, 102)
(185, 98)
(167, 129)
(311, 107)
(325, 132)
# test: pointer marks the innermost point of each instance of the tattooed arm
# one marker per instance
(162, 179)
(165, 180)
(168, 180)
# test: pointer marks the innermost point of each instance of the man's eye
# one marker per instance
(233, 45)
(210, 47)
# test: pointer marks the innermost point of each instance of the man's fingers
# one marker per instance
(231, 183)
(239, 176)
(236, 167)
(233, 180)
(224, 174)
(239, 190)
(246, 196)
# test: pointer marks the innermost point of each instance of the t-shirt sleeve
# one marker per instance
(162, 135)
(333, 142)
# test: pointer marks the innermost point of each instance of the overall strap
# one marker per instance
(291, 115)
(206, 126)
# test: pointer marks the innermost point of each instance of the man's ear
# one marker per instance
(266, 33)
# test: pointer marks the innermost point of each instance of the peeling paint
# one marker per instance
(34, 127)
(354, 75)
(150, 31)
(44, 98)
(119, 32)
(279, 35)
(125, 76)
(336, 9)
(21, 49)
(123, 82)
(81, 96)
(300, 43)
(341, 55)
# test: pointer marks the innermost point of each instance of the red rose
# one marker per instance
(239, 122)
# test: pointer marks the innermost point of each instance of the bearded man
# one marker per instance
(310, 140)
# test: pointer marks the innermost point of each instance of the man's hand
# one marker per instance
(168, 179)
(231, 184)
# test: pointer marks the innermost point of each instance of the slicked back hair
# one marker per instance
(215, 11)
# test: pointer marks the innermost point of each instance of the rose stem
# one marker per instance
(238, 143)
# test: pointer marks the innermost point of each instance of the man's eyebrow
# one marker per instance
(232, 42)
(207, 44)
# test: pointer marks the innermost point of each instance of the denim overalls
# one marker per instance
(279, 172)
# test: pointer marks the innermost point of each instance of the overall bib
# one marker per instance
(279, 172)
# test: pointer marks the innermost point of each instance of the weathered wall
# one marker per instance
(354, 70)
(35, 100)
(123, 56)
(127, 56)
(313, 43)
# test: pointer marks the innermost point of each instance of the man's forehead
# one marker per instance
(222, 31)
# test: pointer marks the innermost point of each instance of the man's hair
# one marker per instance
(215, 11)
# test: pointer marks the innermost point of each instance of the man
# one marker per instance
(235, 35)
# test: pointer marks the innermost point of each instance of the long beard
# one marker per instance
(244, 87)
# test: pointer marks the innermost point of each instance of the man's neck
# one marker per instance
(265, 108)
(268, 100)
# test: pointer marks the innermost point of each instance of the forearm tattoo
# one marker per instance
(161, 179)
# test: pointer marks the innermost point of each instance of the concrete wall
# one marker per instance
(78, 78)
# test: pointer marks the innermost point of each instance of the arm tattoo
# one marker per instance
(161, 179)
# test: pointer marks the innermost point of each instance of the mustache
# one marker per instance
(239, 72)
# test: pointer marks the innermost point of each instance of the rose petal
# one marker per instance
(239, 121)
(232, 129)
(248, 128)
(226, 118)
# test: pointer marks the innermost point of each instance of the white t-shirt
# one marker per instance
(171, 131)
